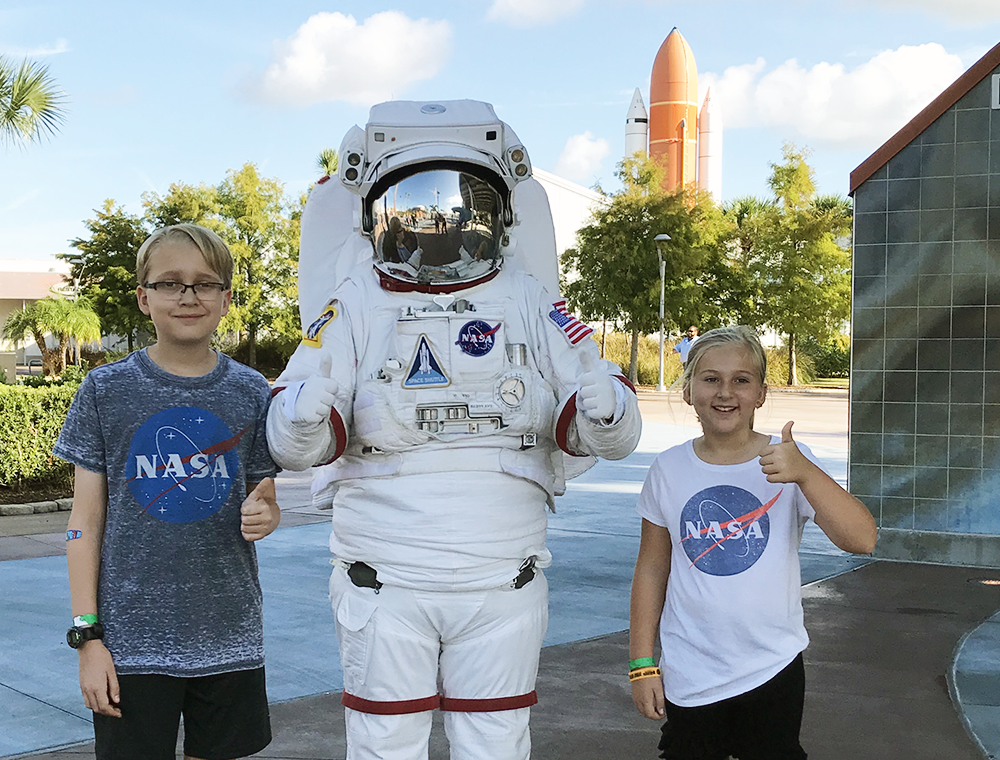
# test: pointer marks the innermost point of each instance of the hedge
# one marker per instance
(30, 421)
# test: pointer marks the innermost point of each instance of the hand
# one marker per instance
(597, 391)
(647, 693)
(260, 513)
(98, 680)
(315, 399)
(783, 462)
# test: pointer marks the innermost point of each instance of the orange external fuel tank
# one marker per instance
(673, 112)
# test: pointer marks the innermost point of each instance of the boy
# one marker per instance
(162, 568)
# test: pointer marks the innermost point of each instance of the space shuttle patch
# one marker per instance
(313, 336)
(571, 327)
(425, 369)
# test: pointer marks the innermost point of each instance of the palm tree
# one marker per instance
(30, 103)
(327, 161)
(29, 324)
(60, 317)
(72, 320)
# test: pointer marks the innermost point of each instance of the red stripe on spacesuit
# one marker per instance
(276, 391)
(400, 707)
(562, 426)
(624, 381)
(339, 435)
(489, 705)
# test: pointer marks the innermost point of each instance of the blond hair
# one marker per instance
(212, 247)
(740, 336)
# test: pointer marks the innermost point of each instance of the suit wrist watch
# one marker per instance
(78, 635)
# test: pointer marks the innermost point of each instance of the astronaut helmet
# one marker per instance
(437, 227)
(436, 182)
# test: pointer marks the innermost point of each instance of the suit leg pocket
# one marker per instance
(356, 621)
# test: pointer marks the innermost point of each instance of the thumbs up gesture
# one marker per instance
(597, 391)
(783, 462)
(260, 513)
(315, 397)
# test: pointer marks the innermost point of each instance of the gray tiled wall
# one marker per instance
(925, 383)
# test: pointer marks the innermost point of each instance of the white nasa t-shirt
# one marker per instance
(733, 613)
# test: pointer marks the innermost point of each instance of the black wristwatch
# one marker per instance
(78, 635)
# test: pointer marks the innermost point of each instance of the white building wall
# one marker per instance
(571, 206)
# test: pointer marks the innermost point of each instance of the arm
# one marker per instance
(649, 587)
(259, 513)
(98, 681)
(844, 519)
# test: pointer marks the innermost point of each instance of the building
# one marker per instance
(925, 358)
(21, 282)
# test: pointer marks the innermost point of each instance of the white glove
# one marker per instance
(315, 399)
(597, 391)
(310, 400)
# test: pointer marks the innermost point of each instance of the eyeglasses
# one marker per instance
(203, 290)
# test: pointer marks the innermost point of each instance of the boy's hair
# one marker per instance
(740, 336)
(212, 248)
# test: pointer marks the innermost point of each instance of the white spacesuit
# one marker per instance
(447, 386)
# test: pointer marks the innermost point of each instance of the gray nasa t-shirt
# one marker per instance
(178, 591)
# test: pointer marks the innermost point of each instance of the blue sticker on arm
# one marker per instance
(71, 534)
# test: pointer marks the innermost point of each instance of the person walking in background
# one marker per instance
(717, 576)
(684, 346)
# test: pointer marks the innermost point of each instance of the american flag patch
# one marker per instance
(572, 328)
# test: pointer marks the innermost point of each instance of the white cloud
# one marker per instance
(332, 57)
(581, 158)
(834, 107)
(526, 13)
(60, 46)
(963, 11)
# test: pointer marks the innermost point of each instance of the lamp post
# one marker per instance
(660, 240)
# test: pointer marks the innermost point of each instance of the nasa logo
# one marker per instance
(181, 464)
(724, 529)
(476, 337)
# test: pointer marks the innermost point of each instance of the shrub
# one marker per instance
(618, 347)
(832, 358)
(272, 354)
(30, 421)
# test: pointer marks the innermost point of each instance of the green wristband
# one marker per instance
(642, 662)
(82, 620)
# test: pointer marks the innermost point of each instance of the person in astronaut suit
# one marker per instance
(447, 396)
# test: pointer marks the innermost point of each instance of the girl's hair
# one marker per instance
(212, 248)
(740, 336)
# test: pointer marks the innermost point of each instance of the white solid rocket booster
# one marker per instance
(710, 147)
(636, 126)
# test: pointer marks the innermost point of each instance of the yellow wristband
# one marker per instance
(640, 673)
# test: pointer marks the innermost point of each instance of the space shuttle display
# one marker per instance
(686, 140)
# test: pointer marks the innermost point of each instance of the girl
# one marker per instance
(722, 519)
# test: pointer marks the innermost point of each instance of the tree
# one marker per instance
(183, 204)
(73, 320)
(56, 316)
(261, 239)
(29, 323)
(31, 105)
(798, 256)
(614, 268)
(104, 270)
(327, 161)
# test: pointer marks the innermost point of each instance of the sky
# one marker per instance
(183, 92)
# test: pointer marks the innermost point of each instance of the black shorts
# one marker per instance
(225, 716)
(762, 724)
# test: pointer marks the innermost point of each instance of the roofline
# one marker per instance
(976, 73)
